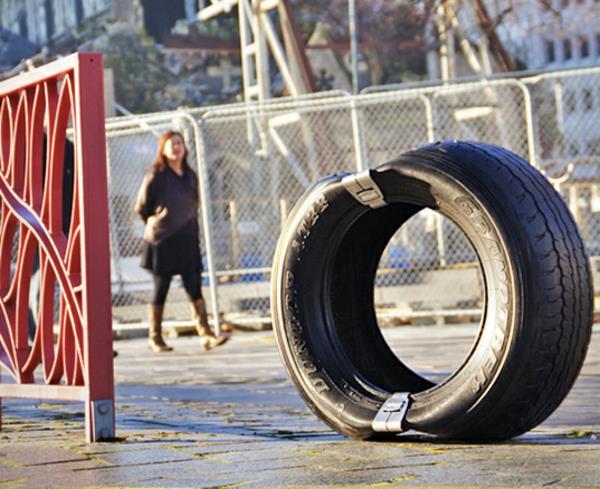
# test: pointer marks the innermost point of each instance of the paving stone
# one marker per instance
(231, 418)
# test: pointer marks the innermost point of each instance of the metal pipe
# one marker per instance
(204, 191)
(439, 224)
(235, 236)
(139, 120)
(353, 43)
(529, 123)
(357, 135)
(428, 118)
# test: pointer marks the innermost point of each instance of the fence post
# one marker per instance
(93, 201)
(114, 236)
(531, 146)
(439, 223)
(207, 221)
(428, 118)
(357, 135)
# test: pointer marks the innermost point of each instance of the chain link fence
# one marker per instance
(255, 161)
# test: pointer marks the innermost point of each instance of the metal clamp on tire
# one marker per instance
(364, 189)
(536, 281)
(390, 416)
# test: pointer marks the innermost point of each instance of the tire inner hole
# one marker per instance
(429, 295)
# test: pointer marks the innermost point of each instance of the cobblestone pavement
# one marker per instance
(231, 418)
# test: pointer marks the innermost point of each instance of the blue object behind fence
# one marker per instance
(251, 260)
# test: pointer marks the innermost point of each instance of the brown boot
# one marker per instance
(226, 327)
(208, 339)
(155, 339)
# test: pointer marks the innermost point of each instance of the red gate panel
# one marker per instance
(42, 114)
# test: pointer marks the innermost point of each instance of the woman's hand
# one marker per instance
(160, 212)
(152, 223)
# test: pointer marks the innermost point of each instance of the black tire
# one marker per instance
(537, 318)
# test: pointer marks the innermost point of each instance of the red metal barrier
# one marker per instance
(74, 360)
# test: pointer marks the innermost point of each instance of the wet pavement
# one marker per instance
(231, 418)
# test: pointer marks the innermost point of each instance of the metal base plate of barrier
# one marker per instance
(104, 416)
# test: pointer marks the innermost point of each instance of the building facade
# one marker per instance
(42, 21)
(567, 35)
(553, 35)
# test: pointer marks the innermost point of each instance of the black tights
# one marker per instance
(191, 284)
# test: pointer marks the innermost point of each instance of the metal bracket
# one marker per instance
(390, 416)
(364, 189)
(103, 420)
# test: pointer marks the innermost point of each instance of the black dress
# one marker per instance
(177, 254)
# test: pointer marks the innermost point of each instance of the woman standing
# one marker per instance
(167, 202)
